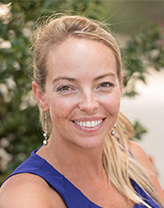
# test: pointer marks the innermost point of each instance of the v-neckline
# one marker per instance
(78, 190)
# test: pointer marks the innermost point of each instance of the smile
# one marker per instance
(89, 124)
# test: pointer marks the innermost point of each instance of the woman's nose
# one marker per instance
(88, 103)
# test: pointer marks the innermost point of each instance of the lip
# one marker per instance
(85, 119)
(88, 129)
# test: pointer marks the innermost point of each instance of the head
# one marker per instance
(55, 32)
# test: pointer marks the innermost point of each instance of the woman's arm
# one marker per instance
(27, 190)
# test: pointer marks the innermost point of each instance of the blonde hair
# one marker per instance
(120, 166)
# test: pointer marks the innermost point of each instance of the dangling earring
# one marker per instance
(113, 131)
(45, 134)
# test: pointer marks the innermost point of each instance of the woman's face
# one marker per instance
(82, 92)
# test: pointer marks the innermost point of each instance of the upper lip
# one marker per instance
(84, 119)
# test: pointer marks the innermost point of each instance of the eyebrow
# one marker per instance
(110, 74)
(65, 78)
(75, 80)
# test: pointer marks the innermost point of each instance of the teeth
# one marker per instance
(89, 124)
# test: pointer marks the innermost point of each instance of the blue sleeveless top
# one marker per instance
(71, 195)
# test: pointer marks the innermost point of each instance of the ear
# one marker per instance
(40, 96)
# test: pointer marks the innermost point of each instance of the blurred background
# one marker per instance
(138, 27)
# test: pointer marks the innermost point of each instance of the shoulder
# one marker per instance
(137, 151)
(142, 158)
(22, 189)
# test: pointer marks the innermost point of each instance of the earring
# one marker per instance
(45, 134)
(113, 131)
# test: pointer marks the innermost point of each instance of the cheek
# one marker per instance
(60, 108)
(112, 103)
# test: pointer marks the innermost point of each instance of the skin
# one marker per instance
(81, 85)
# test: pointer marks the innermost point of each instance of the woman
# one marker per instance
(88, 160)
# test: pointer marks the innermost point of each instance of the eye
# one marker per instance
(106, 85)
(63, 88)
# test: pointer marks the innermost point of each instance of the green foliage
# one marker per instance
(20, 131)
(139, 130)
(143, 52)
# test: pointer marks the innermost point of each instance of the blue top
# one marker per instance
(71, 195)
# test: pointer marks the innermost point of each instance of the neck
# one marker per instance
(74, 161)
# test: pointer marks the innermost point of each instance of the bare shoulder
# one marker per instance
(137, 151)
(140, 155)
(24, 190)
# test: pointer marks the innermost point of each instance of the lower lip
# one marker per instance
(89, 129)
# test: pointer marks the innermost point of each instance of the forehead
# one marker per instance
(76, 55)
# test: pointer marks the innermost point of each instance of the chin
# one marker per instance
(91, 143)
